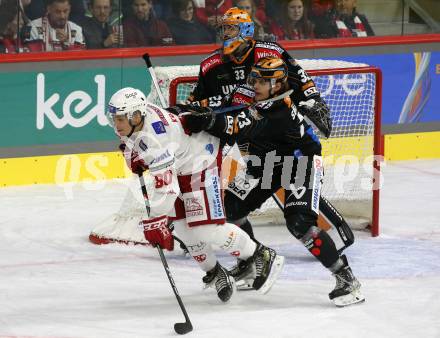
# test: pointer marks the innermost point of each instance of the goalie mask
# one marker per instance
(237, 28)
(269, 68)
(126, 102)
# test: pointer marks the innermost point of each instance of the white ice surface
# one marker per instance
(54, 283)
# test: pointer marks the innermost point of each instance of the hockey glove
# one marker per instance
(157, 232)
(198, 119)
(178, 109)
(132, 159)
(319, 113)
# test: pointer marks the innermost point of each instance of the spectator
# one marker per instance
(259, 6)
(142, 28)
(294, 23)
(251, 9)
(98, 33)
(162, 8)
(11, 21)
(210, 12)
(116, 13)
(37, 9)
(343, 21)
(186, 29)
(54, 31)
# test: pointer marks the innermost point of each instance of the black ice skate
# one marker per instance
(347, 290)
(223, 282)
(268, 266)
(244, 274)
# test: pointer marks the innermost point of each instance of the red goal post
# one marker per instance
(354, 95)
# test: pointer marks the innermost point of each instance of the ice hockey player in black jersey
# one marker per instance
(227, 67)
(281, 151)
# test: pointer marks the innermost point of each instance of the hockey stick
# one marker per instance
(241, 106)
(180, 328)
(150, 69)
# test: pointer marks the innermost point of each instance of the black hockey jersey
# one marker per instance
(219, 75)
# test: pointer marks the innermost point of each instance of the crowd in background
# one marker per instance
(56, 25)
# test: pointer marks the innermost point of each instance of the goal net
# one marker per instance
(351, 176)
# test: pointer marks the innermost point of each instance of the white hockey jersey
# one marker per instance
(169, 152)
(41, 36)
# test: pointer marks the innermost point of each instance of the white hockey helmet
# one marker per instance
(126, 101)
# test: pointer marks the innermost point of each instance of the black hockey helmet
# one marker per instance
(270, 68)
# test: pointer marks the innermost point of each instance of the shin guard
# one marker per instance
(320, 244)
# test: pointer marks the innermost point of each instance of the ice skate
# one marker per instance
(223, 282)
(244, 274)
(268, 266)
(347, 290)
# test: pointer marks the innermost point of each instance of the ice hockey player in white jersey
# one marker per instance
(185, 189)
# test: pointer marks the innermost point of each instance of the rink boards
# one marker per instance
(60, 169)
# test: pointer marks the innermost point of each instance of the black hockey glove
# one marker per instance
(179, 109)
(198, 119)
(319, 113)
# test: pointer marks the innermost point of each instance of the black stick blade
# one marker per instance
(183, 328)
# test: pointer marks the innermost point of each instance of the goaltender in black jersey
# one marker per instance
(281, 151)
(229, 66)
